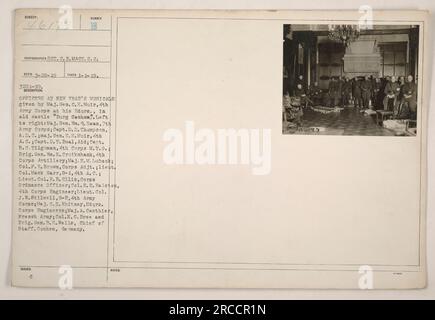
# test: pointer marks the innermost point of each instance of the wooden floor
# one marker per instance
(349, 121)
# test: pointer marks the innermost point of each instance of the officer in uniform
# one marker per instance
(392, 91)
(409, 92)
(377, 93)
(401, 80)
(346, 90)
(334, 92)
(356, 90)
(366, 88)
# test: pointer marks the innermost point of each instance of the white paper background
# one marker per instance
(6, 291)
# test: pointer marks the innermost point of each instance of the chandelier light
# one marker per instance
(344, 33)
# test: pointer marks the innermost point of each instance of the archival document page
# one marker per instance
(219, 149)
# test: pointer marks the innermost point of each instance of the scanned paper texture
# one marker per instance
(230, 149)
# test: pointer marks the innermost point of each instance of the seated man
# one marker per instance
(292, 108)
(409, 99)
(392, 91)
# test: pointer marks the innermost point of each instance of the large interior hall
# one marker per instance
(348, 80)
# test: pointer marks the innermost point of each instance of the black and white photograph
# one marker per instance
(144, 157)
(350, 80)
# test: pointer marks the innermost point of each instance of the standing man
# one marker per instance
(300, 81)
(285, 81)
(372, 89)
(377, 93)
(340, 84)
(366, 87)
(334, 92)
(356, 91)
(346, 92)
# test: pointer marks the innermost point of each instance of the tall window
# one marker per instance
(330, 62)
(393, 59)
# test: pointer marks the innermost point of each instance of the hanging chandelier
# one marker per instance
(345, 33)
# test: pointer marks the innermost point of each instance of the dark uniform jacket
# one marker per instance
(356, 88)
(410, 89)
(334, 88)
(377, 86)
(347, 87)
(392, 87)
(366, 86)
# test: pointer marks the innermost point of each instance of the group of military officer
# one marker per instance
(389, 93)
